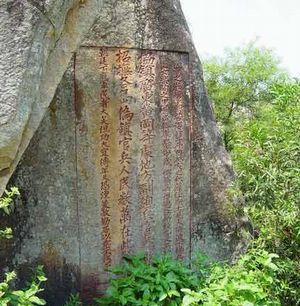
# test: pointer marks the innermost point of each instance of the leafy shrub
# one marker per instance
(258, 109)
(165, 281)
(158, 282)
(247, 283)
(25, 297)
(266, 156)
(8, 295)
(5, 203)
(238, 82)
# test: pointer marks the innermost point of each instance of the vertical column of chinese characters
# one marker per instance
(147, 82)
(104, 157)
(124, 72)
(179, 150)
(166, 150)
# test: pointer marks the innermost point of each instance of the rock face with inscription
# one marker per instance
(127, 158)
(133, 153)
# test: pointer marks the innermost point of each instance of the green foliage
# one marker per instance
(7, 233)
(6, 200)
(8, 295)
(248, 282)
(5, 203)
(258, 108)
(74, 300)
(238, 82)
(266, 155)
(267, 151)
(165, 281)
(25, 297)
(158, 282)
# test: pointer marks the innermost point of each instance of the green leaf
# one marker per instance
(189, 300)
(41, 278)
(36, 300)
(19, 293)
(163, 297)
(173, 292)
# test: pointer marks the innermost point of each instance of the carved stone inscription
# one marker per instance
(133, 155)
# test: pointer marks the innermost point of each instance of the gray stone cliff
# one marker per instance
(49, 131)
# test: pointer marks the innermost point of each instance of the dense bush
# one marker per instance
(240, 81)
(248, 282)
(165, 281)
(137, 282)
(263, 136)
(266, 156)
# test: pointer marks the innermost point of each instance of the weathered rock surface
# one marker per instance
(61, 218)
(37, 39)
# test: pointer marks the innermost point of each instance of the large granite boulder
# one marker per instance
(127, 157)
(37, 38)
